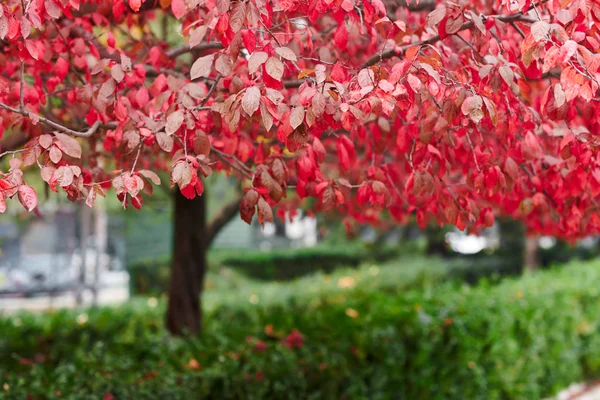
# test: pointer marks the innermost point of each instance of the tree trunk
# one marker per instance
(436, 241)
(531, 262)
(512, 241)
(184, 313)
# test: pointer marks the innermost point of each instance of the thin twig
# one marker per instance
(136, 158)
(176, 52)
(467, 25)
(467, 43)
(53, 124)
(473, 151)
(210, 92)
(22, 85)
(69, 53)
(514, 25)
(238, 165)
(16, 151)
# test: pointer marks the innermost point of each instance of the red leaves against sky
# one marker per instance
(453, 113)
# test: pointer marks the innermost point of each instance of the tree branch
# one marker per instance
(225, 214)
(176, 52)
(53, 124)
(293, 84)
(13, 142)
(210, 91)
(467, 25)
(238, 165)
(411, 5)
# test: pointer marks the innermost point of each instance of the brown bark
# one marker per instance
(13, 142)
(192, 238)
(184, 312)
(411, 5)
(436, 241)
(531, 259)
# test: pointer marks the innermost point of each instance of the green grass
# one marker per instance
(151, 275)
(229, 287)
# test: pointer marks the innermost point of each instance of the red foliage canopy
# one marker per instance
(456, 111)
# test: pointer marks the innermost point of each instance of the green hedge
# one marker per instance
(563, 252)
(151, 276)
(521, 339)
(286, 264)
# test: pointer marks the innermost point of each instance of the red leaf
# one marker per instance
(116, 71)
(135, 5)
(251, 100)
(341, 36)
(182, 174)
(274, 68)
(296, 117)
(28, 197)
(319, 149)
(178, 8)
(237, 16)
(511, 168)
(436, 16)
(343, 155)
(257, 59)
(286, 53)
(137, 201)
(174, 121)
(68, 145)
(264, 212)
(61, 67)
(55, 154)
(249, 40)
(472, 107)
(45, 141)
(165, 141)
(150, 175)
(305, 168)
(201, 143)
(197, 35)
(91, 198)
(202, 66)
(32, 48)
(142, 97)
(250, 199)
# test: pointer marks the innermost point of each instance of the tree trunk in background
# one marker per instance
(85, 220)
(436, 241)
(101, 239)
(512, 242)
(531, 259)
(184, 313)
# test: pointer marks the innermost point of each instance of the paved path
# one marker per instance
(580, 391)
(107, 296)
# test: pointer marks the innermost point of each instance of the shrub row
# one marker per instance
(521, 339)
(289, 264)
(151, 276)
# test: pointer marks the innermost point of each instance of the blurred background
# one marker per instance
(70, 255)
(296, 308)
